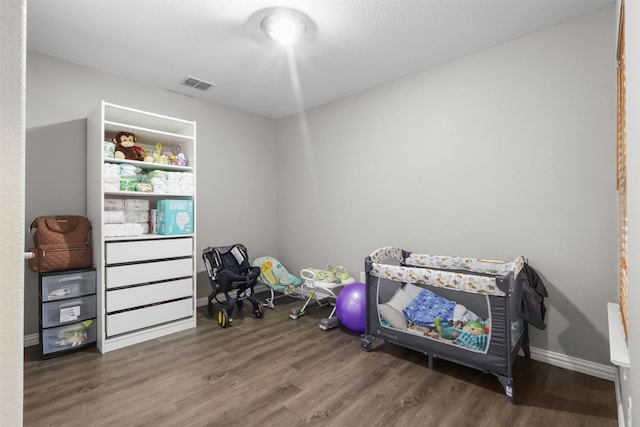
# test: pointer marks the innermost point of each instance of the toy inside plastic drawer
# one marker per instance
(68, 336)
(56, 313)
(68, 285)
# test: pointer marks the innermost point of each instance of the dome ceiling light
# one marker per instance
(284, 26)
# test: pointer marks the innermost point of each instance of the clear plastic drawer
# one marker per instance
(56, 313)
(68, 285)
(68, 336)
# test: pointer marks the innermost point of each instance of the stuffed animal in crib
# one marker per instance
(446, 331)
(474, 328)
(126, 146)
(426, 331)
(473, 337)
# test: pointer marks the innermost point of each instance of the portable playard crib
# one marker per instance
(228, 269)
(460, 309)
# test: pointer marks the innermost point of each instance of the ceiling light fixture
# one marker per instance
(285, 26)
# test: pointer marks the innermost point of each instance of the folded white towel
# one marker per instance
(119, 230)
(113, 217)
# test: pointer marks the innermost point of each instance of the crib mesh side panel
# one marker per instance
(387, 290)
(380, 290)
(500, 328)
(496, 359)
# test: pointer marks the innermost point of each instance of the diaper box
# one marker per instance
(174, 216)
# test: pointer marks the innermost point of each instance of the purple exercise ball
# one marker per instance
(351, 307)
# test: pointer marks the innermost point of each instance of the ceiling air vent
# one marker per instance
(196, 83)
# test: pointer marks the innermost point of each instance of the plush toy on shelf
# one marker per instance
(125, 146)
(147, 156)
(159, 156)
(181, 159)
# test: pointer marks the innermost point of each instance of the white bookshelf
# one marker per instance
(145, 284)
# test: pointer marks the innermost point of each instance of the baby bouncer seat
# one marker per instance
(323, 287)
(277, 279)
(229, 270)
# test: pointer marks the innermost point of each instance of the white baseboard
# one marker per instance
(560, 360)
(33, 339)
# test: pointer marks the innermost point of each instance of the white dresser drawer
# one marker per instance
(120, 299)
(131, 320)
(134, 274)
(144, 250)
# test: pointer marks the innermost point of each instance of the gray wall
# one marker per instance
(506, 152)
(236, 177)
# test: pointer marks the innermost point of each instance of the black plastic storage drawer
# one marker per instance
(69, 284)
(56, 313)
(68, 337)
(67, 311)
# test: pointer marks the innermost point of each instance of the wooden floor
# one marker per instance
(280, 372)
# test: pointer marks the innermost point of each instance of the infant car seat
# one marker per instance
(229, 269)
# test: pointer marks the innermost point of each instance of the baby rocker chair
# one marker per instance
(322, 286)
(229, 269)
(277, 279)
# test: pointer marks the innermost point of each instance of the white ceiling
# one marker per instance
(352, 44)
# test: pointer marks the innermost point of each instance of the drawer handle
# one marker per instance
(71, 279)
(71, 304)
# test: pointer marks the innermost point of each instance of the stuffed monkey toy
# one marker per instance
(125, 146)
